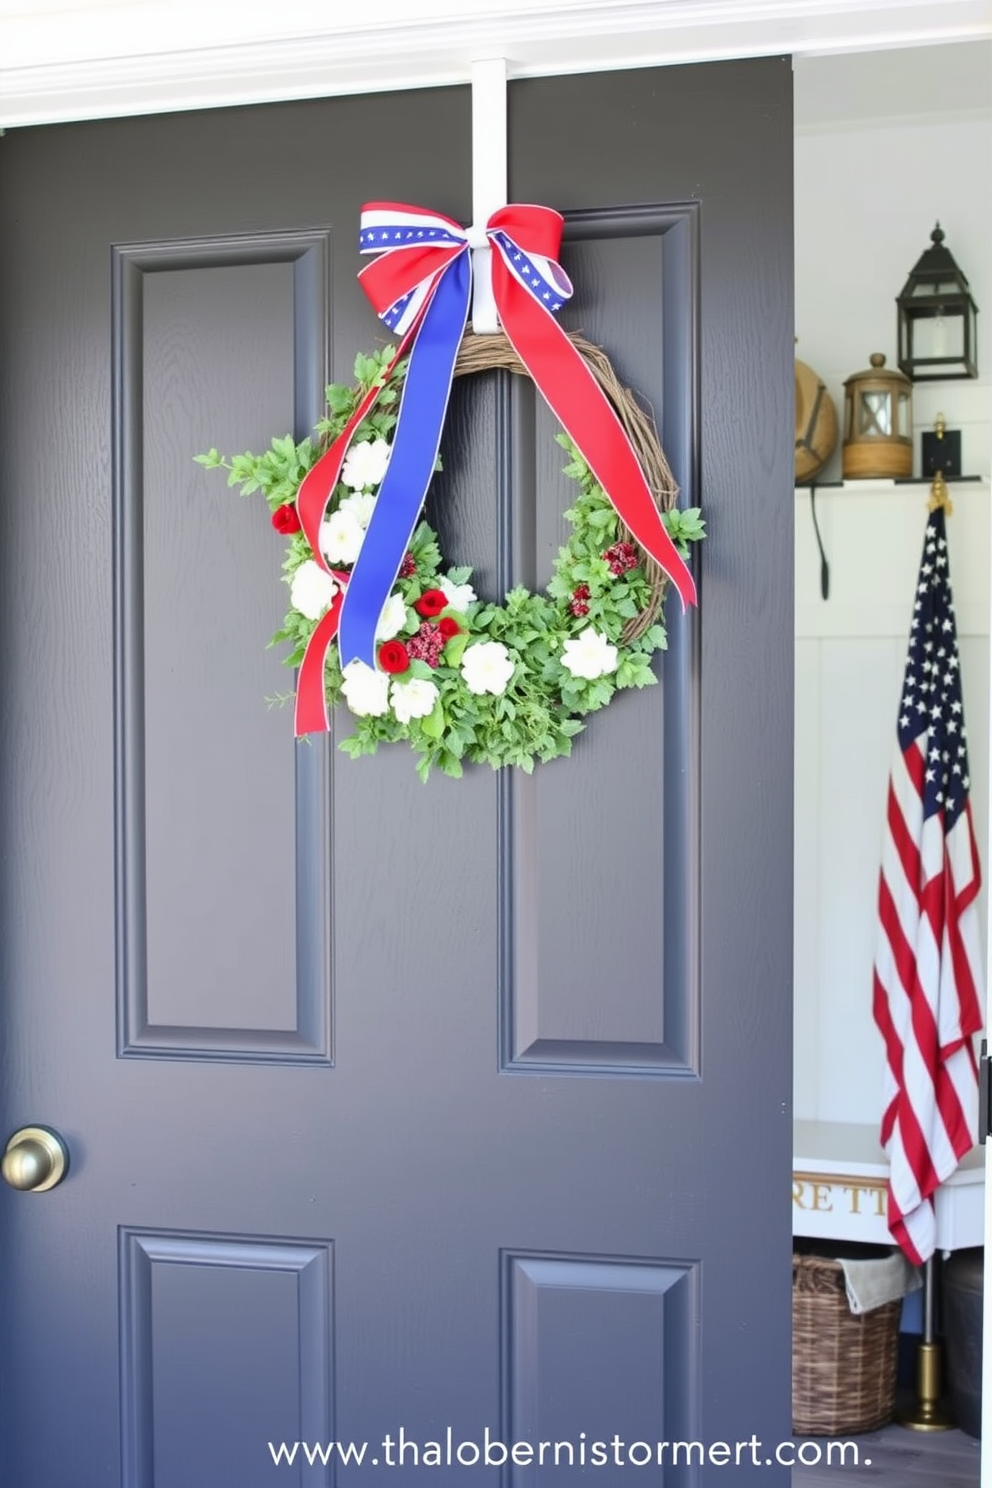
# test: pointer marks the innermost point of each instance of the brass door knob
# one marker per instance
(35, 1159)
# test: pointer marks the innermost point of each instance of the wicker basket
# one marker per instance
(843, 1366)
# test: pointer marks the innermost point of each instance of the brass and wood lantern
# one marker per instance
(878, 423)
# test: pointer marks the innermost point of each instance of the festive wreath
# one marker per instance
(419, 656)
(459, 678)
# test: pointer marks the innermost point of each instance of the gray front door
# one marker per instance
(458, 1107)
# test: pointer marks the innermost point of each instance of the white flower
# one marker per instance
(366, 691)
(487, 667)
(459, 596)
(360, 505)
(413, 699)
(341, 537)
(365, 464)
(311, 589)
(392, 619)
(589, 655)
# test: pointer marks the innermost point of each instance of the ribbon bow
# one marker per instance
(420, 285)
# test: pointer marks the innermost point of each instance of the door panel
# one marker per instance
(634, 1320)
(261, 1315)
(199, 840)
(562, 888)
(451, 1106)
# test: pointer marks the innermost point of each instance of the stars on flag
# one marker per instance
(931, 706)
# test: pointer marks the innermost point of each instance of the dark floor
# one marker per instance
(902, 1459)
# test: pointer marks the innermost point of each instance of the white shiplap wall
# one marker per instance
(874, 170)
(850, 654)
(869, 188)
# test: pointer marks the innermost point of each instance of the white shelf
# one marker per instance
(872, 534)
(839, 1176)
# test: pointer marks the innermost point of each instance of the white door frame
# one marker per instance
(63, 60)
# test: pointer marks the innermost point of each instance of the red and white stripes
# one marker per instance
(926, 1002)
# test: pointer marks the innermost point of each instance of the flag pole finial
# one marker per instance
(940, 495)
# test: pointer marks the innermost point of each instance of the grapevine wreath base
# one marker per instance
(457, 678)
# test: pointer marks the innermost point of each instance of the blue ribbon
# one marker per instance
(416, 442)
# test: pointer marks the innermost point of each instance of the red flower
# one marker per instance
(285, 519)
(579, 607)
(408, 567)
(448, 627)
(393, 656)
(581, 591)
(431, 603)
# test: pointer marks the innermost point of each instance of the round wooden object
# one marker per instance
(878, 459)
(816, 423)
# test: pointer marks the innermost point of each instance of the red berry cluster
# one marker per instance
(580, 596)
(430, 640)
(408, 567)
(621, 557)
(427, 644)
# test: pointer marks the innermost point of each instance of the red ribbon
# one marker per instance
(580, 406)
(311, 698)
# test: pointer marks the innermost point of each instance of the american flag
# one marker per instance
(928, 961)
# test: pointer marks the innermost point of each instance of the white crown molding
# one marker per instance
(72, 59)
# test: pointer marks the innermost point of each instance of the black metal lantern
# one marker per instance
(937, 332)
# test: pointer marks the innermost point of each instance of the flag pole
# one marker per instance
(940, 495)
(927, 1413)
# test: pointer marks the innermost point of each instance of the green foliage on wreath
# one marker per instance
(598, 585)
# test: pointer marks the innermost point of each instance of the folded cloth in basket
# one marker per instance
(871, 1284)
